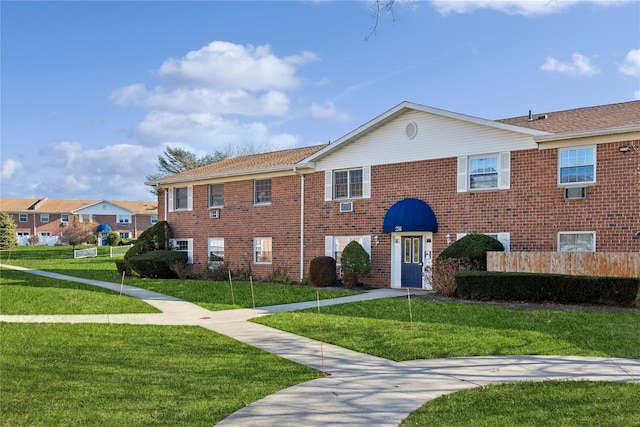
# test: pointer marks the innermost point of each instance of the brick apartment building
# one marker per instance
(410, 182)
(49, 219)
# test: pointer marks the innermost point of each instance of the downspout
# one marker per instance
(295, 169)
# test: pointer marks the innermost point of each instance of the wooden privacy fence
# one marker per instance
(614, 264)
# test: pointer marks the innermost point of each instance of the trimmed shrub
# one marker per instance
(152, 239)
(474, 247)
(113, 239)
(355, 261)
(559, 288)
(322, 271)
(158, 264)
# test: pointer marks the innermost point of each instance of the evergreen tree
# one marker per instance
(8, 238)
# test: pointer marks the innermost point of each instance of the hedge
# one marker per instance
(560, 288)
(156, 264)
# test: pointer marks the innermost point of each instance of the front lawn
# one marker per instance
(24, 293)
(124, 375)
(446, 329)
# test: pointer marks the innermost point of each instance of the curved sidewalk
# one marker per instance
(360, 389)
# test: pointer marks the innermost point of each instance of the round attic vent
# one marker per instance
(411, 130)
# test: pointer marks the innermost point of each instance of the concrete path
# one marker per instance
(360, 389)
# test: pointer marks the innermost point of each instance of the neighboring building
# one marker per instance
(50, 219)
(411, 181)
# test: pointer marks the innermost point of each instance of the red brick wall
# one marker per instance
(240, 221)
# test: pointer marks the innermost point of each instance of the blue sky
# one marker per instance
(92, 92)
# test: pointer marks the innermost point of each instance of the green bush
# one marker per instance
(152, 239)
(559, 288)
(355, 261)
(157, 264)
(113, 239)
(278, 275)
(472, 246)
(322, 271)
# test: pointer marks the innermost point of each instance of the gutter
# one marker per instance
(295, 170)
(586, 133)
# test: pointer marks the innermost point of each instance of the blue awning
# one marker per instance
(104, 228)
(410, 215)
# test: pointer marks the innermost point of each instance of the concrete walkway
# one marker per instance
(360, 389)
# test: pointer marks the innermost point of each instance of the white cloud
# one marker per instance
(514, 7)
(579, 65)
(636, 94)
(10, 168)
(631, 65)
(327, 110)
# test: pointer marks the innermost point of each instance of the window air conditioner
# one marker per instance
(214, 213)
(346, 206)
(575, 193)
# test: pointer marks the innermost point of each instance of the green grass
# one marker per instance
(210, 295)
(531, 404)
(23, 293)
(444, 329)
(78, 375)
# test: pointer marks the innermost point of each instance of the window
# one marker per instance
(125, 234)
(262, 191)
(580, 241)
(85, 218)
(216, 251)
(44, 217)
(262, 250)
(486, 172)
(216, 195)
(334, 245)
(347, 184)
(483, 172)
(64, 218)
(22, 217)
(154, 219)
(186, 246)
(577, 165)
(124, 219)
(45, 234)
(181, 198)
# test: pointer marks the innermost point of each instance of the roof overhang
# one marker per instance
(632, 130)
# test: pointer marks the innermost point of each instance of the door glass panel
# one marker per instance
(407, 251)
(416, 250)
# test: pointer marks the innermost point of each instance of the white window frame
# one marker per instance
(124, 234)
(561, 151)
(576, 233)
(331, 245)
(44, 217)
(44, 234)
(257, 246)
(503, 170)
(350, 193)
(88, 218)
(256, 197)
(212, 202)
(64, 218)
(189, 247)
(124, 219)
(329, 187)
(504, 238)
(154, 219)
(215, 242)
(23, 217)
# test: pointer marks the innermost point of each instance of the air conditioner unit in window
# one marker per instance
(575, 193)
(214, 213)
(346, 206)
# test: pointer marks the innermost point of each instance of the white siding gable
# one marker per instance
(437, 137)
(102, 208)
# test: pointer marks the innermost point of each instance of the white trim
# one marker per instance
(254, 257)
(463, 162)
(565, 233)
(577, 183)
(397, 253)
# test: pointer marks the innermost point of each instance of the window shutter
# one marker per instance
(170, 192)
(504, 176)
(366, 244)
(505, 239)
(462, 174)
(366, 182)
(190, 198)
(190, 251)
(328, 246)
(328, 185)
